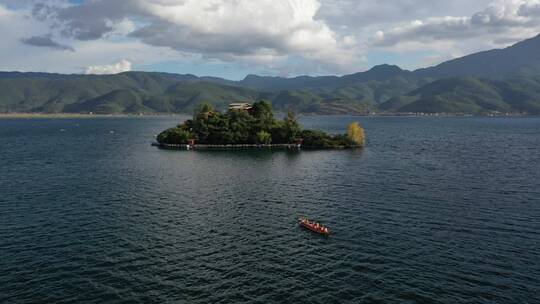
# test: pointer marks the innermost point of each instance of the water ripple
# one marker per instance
(432, 211)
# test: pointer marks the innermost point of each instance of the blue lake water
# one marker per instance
(433, 210)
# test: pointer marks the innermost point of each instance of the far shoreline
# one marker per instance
(82, 115)
(147, 115)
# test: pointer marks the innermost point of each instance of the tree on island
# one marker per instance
(291, 126)
(356, 133)
(264, 137)
(256, 125)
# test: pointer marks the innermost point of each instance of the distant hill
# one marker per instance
(378, 73)
(131, 92)
(134, 92)
(521, 59)
(470, 95)
(506, 80)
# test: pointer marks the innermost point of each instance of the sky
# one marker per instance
(233, 38)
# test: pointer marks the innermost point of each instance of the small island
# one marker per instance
(246, 125)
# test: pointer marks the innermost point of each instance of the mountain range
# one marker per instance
(501, 80)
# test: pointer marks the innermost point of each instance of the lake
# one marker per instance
(432, 210)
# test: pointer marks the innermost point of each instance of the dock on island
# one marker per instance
(295, 146)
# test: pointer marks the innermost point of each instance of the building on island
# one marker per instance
(240, 106)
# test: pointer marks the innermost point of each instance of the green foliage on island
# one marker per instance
(254, 126)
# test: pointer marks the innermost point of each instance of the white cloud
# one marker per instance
(243, 29)
(119, 67)
(15, 55)
(508, 21)
(285, 36)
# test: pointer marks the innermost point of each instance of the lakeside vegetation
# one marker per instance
(256, 126)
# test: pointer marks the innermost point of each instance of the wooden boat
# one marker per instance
(315, 227)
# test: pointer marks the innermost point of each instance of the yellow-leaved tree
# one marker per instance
(356, 133)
